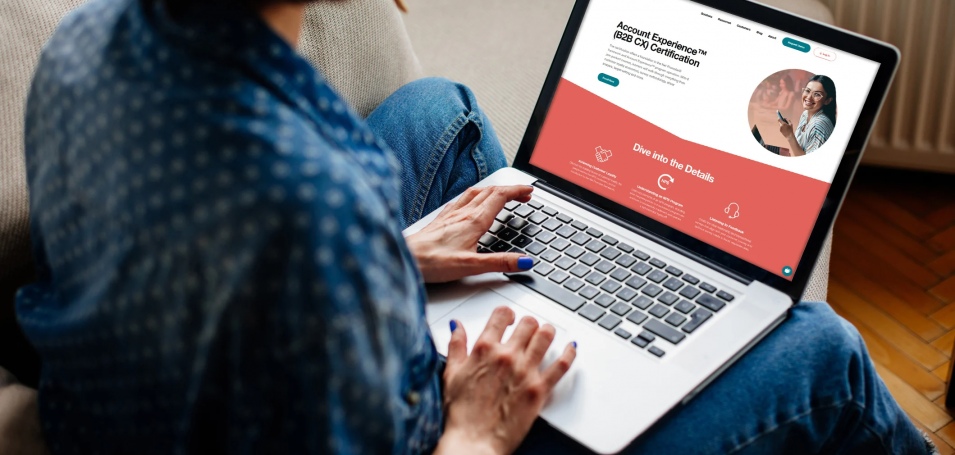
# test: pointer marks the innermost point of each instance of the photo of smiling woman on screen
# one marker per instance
(817, 120)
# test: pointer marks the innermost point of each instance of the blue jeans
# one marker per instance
(808, 388)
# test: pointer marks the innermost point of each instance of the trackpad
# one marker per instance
(476, 311)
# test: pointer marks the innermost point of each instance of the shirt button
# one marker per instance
(412, 398)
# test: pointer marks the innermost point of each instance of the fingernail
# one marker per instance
(575, 345)
(525, 263)
(454, 326)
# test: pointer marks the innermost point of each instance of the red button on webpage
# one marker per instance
(824, 53)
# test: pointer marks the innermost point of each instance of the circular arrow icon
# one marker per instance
(664, 181)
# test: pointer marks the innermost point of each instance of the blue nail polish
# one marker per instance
(454, 326)
(575, 345)
(525, 263)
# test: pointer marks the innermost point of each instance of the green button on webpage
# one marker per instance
(608, 79)
(797, 45)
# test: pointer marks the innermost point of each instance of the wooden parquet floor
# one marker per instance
(893, 276)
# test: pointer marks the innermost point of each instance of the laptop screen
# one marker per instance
(726, 130)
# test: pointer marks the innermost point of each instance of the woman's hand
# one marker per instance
(446, 249)
(786, 129)
(492, 397)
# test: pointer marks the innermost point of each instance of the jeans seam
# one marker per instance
(811, 409)
(424, 186)
(477, 153)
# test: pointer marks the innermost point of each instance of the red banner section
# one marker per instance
(754, 211)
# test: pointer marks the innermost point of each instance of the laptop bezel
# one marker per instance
(841, 40)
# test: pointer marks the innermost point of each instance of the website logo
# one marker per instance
(603, 155)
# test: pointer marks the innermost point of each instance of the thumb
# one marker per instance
(498, 262)
(458, 346)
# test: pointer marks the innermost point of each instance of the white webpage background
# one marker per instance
(712, 108)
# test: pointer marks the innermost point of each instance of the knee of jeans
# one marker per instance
(831, 338)
(439, 91)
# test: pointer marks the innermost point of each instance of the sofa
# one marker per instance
(365, 48)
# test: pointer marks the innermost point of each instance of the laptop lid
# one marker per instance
(648, 114)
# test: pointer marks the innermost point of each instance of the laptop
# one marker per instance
(656, 215)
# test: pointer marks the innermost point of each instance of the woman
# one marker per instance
(221, 267)
(817, 121)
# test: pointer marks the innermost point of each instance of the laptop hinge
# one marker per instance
(643, 232)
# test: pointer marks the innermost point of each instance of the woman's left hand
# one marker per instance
(786, 129)
(446, 249)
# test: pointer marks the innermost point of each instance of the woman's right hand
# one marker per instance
(492, 396)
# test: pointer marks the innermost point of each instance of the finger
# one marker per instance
(513, 192)
(539, 344)
(478, 263)
(458, 346)
(468, 195)
(494, 202)
(501, 318)
(523, 332)
(560, 367)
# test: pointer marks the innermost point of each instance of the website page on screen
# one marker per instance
(726, 130)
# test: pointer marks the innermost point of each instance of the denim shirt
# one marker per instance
(220, 266)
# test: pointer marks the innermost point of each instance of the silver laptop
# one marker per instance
(667, 240)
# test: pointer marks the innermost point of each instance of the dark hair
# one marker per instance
(830, 88)
(789, 82)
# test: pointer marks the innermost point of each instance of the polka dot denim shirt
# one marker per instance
(220, 269)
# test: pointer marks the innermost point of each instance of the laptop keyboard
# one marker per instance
(603, 280)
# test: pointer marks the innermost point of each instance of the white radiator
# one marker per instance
(917, 126)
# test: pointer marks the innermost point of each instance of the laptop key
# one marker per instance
(558, 277)
(550, 255)
(626, 294)
(532, 230)
(673, 284)
(643, 302)
(579, 270)
(580, 238)
(641, 255)
(609, 240)
(592, 312)
(517, 223)
(691, 279)
(620, 274)
(551, 224)
(659, 310)
(622, 334)
(504, 216)
(595, 233)
(566, 231)
(656, 276)
(579, 226)
(604, 300)
(711, 303)
(647, 336)
(675, 319)
(663, 331)
(690, 292)
(611, 286)
(535, 248)
(560, 244)
(589, 292)
(641, 268)
(610, 322)
(566, 299)
(696, 320)
(574, 251)
(537, 218)
(481, 249)
(511, 205)
(507, 234)
(495, 227)
(611, 253)
(668, 298)
(564, 218)
(725, 296)
(625, 247)
(500, 247)
(708, 287)
(550, 211)
(674, 271)
(487, 240)
(637, 317)
(636, 282)
(657, 263)
(534, 204)
(521, 241)
(604, 267)
(573, 284)
(652, 290)
(595, 278)
(637, 341)
(589, 259)
(517, 250)
(545, 237)
(544, 268)
(620, 309)
(565, 263)
(684, 307)
(656, 351)
(523, 211)
(596, 247)
(625, 261)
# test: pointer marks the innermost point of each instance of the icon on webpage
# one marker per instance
(603, 155)
(787, 271)
(732, 210)
(664, 181)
